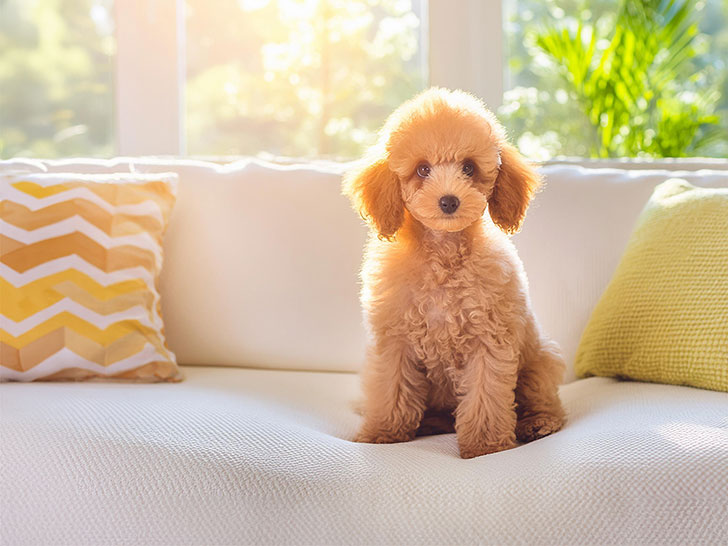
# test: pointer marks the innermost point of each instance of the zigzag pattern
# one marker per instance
(114, 225)
(80, 257)
(31, 299)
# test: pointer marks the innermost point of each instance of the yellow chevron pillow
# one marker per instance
(664, 315)
(80, 257)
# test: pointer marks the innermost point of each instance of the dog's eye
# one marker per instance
(468, 168)
(423, 170)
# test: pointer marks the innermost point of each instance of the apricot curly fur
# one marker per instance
(454, 343)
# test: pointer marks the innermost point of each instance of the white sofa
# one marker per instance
(254, 447)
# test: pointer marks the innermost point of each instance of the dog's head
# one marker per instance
(444, 157)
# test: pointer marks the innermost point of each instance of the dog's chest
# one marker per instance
(447, 314)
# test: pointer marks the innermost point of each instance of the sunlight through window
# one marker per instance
(298, 78)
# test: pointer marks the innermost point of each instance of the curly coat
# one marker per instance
(454, 343)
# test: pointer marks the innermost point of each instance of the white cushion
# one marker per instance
(236, 456)
(261, 260)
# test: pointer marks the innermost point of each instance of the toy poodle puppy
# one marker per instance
(454, 344)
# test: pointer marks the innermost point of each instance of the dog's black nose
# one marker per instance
(449, 203)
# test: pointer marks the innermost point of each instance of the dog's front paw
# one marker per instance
(383, 436)
(537, 426)
(468, 451)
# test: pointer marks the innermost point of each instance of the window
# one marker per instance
(56, 69)
(298, 78)
(596, 78)
(316, 78)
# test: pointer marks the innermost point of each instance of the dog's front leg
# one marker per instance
(395, 393)
(485, 418)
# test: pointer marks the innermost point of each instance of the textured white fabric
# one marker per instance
(261, 260)
(236, 456)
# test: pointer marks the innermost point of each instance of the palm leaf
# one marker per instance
(627, 91)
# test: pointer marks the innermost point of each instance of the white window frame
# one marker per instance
(464, 51)
(466, 47)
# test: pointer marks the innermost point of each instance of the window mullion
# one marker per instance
(148, 77)
(466, 47)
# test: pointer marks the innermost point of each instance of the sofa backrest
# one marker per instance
(261, 260)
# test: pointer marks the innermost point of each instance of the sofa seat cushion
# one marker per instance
(262, 456)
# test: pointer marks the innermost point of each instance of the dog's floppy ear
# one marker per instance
(375, 193)
(515, 185)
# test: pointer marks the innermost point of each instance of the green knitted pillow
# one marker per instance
(664, 315)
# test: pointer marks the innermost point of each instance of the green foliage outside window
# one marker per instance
(642, 82)
(302, 78)
(56, 69)
(309, 78)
